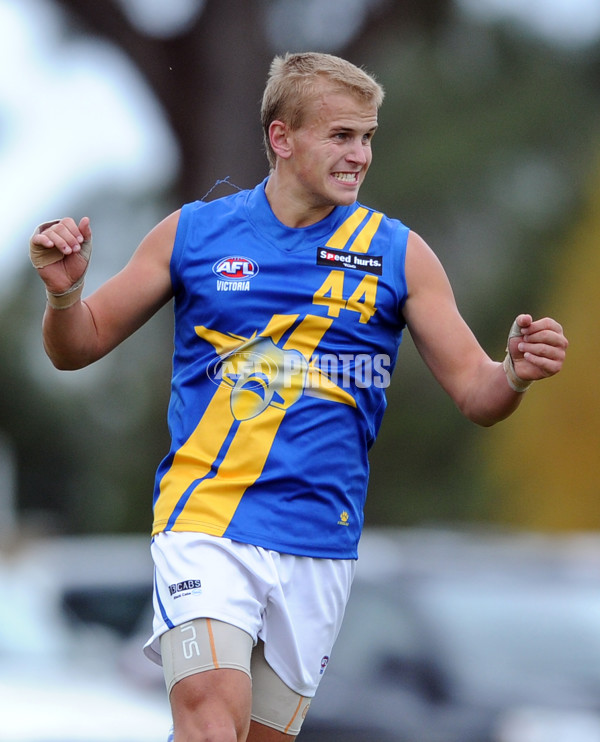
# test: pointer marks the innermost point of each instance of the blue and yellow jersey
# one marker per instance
(285, 341)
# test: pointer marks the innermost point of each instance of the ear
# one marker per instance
(279, 137)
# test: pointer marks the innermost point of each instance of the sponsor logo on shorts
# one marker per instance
(324, 663)
(185, 587)
(329, 257)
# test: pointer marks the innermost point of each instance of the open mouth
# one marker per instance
(346, 177)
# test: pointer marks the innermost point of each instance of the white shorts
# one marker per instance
(294, 604)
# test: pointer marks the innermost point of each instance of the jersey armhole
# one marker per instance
(400, 240)
(179, 243)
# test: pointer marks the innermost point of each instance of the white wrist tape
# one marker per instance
(516, 383)
(67, 298)
(43, 256)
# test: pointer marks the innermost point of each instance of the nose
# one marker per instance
(359, 153)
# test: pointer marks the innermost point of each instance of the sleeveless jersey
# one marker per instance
(285, 341)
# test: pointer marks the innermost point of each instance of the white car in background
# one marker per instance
(67, 671)
(466, 636)
(449, 636)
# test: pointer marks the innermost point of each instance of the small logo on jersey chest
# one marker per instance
(235, 268)
(234, 273)
(354, 261)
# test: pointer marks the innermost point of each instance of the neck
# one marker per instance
(290, 208)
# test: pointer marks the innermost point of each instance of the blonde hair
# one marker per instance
(294, 78)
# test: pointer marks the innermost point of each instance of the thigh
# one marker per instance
(303, 617)
(207, 673)
(275, 705)
(201, 576)
(201, 645)
(300, 626)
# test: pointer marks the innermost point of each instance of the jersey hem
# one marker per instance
(280, 547)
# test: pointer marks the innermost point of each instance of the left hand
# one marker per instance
(540, 351)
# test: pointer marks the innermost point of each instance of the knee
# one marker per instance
(212, 706)
(211, 720)
(215, 730)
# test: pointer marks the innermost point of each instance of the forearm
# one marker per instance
(70, 336)
(77, 333)
(534, 350)
(488, 397)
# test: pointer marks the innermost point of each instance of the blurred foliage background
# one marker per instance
(488, 147)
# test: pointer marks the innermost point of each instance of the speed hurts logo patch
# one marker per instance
(332, 258)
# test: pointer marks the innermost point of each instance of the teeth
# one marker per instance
(346, 177)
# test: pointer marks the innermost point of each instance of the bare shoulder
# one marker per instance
(425, 275)
(130, 297)
(149, 267)
(442, 337)
(158, 243)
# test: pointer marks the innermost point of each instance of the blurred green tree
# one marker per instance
(485, 135)
(544, 467)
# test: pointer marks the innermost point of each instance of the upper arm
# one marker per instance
(440, 334)
(128, 299)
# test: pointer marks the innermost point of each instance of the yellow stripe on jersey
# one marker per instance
(339, 239)
(321, 386)
(195, 458)
(278, 325)
(362, 243)
(214, 500)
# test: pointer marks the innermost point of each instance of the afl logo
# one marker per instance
(235, 268)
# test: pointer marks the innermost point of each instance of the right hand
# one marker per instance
(59, 254)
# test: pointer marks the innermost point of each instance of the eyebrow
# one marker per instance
(342, 128)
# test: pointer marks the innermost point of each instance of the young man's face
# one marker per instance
(331, 152)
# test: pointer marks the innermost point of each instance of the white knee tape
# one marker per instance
(203, 644)
(274, 704)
